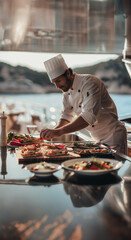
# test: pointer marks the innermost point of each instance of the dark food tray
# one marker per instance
(30, 159)
(100, 155)
(107, 154)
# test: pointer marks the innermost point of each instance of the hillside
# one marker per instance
(24, 80)
(113, 73)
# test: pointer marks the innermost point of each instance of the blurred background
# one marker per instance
(93, 36)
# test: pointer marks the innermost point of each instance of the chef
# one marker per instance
(86, 104)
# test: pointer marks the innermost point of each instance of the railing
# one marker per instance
(21, 112)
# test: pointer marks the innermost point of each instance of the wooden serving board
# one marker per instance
(22, 160)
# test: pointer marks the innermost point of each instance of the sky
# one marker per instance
(35, 60)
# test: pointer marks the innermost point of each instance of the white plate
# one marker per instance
(116, 165)
(42, 172)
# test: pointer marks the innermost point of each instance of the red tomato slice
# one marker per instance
(60, 145)
(105, 165)
(53, 168)
(76, 167)
(15, 143)
(14, 140)
(19, 139)
(93, 167)
(35, 169)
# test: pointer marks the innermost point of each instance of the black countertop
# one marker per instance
(64, 206)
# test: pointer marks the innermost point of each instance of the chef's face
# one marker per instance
(63, 82)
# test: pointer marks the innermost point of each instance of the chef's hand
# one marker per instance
(50, 133)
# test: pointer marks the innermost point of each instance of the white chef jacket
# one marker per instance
(89, 99)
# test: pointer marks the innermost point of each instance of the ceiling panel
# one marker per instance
(68, 26)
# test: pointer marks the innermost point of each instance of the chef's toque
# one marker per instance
(55, 66)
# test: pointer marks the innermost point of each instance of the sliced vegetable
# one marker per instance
(92, 165)
(16, 143)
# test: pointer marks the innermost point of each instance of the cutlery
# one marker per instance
(116, 153)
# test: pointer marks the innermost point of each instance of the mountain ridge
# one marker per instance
(25, 80)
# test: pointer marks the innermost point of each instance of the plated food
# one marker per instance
(54, 146)
(92, 166)
(20, 140)
(34, 148)
(41, 150)
(85, 144)
(43, 169)
(56, 152)
(47, 145)
(92, 151)
(31, 151)
(89, 148)
(17, 140)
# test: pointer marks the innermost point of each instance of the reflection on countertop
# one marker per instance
(117, 210)
(87, 191)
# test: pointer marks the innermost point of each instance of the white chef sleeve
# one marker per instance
(67, 112)
(91, 94)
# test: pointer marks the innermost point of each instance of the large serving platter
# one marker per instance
(67, 166)
(91, 148)
(34, 159)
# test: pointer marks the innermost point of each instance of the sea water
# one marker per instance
(122, 101)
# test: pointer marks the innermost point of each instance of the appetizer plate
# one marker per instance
(43, 169)
(67, 165)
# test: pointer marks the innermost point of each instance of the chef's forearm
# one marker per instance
(78, 124)
(61, 123)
